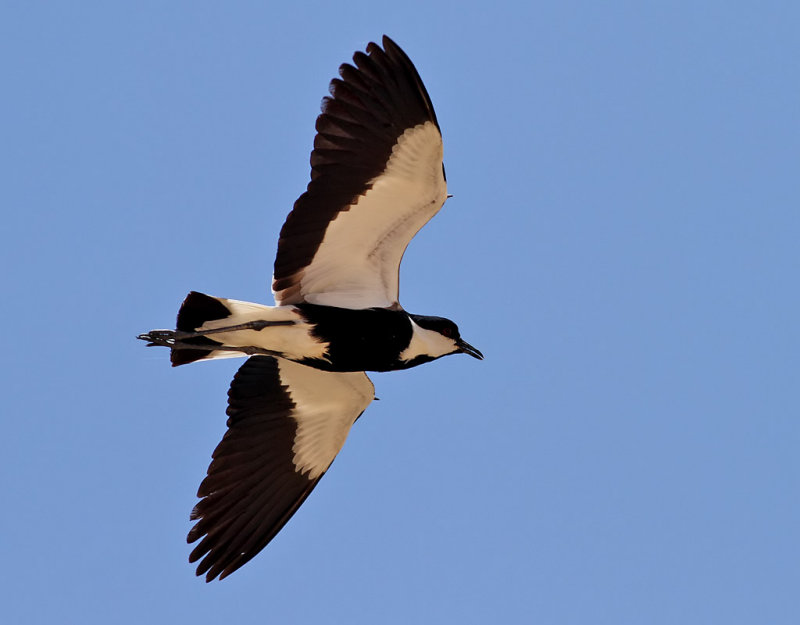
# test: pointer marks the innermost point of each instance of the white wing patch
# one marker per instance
(358, 263)
(326, 406)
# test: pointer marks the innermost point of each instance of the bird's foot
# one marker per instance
(163, 338)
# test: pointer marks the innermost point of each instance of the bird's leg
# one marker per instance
(174, 339)
(178, 338)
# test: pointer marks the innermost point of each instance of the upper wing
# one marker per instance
(286, 424)
(376, 178)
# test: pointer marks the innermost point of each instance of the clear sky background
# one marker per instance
(622, 246)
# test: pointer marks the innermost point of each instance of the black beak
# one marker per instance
(466, 348)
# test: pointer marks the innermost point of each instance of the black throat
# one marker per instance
(359, 340)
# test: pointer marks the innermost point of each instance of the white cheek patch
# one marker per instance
(427, 343)
(326, 406)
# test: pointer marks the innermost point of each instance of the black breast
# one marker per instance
(359, 340)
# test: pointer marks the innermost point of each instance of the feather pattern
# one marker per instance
(376, 178)
(286, 423)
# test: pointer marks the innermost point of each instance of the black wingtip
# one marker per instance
(388, 43)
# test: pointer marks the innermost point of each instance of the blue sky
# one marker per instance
(622, 245)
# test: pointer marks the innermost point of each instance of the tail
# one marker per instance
(196, 310)
(214, 327)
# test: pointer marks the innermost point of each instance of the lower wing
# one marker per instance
(286, 424)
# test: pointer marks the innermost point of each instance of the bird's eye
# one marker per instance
(448, 332)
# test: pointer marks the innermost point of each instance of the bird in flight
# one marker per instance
(376, 178)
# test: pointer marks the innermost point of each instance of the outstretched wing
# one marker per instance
(376, 178)
(286, 424)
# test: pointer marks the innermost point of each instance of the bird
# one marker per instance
(377, 177)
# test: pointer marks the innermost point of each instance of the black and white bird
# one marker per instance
(376, 178)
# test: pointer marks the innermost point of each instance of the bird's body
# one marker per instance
(324, 337)
(377, 178)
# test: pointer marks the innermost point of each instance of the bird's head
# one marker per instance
(434, 337)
